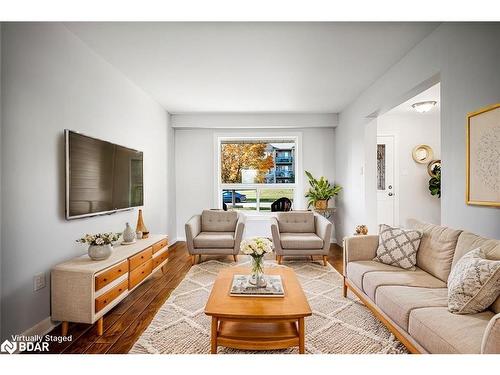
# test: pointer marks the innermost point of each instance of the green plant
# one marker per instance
(320, 189)
(435, 181)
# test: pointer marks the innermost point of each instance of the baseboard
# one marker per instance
(41, 328)
(181, 239)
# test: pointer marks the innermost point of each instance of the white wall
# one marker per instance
(194, 162)
(254, 120)
(52, 81)
(466, 58)
(410, 130)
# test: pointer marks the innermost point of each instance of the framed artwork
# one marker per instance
(483, 157)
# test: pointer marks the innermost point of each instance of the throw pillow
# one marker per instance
(398, 247)
(474, 283)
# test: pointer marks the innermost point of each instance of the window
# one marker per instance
(255, 172)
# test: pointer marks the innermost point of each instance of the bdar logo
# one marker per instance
(9, 347)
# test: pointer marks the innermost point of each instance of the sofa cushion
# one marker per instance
(214, 240)
(218, 221)
(420, 278)
(440, 331)
(474, 283)
(398, 301)
(436, 249)
(398, 247)
(296, 222)
(301, 241)
(357, 269)
(469, 241)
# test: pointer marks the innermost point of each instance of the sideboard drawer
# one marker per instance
(160, 259)
(113, 273)
(140, 273)
(160, 245)
(140, 258)
(102, 301)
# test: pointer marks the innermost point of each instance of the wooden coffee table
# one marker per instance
(257, 323)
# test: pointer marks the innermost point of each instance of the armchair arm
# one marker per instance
(324, 230)
(193, 228)
(275, 231)
(238, 235)
(360, 248)
(491, 337)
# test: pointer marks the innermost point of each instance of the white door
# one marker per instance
(386, 200)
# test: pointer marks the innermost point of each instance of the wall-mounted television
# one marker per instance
(101, 177)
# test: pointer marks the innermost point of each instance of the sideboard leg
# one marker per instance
(64, 328)
(100, 326)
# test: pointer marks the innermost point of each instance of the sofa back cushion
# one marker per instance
(218, 221)
(296, 222)
(491, 248)
(436, 250)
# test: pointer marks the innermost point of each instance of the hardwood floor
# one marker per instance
(125, 323)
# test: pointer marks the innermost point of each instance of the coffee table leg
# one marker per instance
(301, 336)
(213, 338)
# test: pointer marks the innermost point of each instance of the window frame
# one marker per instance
(296, 137)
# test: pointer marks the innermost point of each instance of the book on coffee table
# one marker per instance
(241, 286)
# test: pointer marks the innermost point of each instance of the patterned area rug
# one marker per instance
(338, 325)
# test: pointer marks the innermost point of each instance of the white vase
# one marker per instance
(100, 252)
(128, 234)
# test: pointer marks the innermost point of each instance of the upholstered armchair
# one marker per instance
(301, 233)
(214, 232)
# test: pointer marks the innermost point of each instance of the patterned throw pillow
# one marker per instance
(474, 283)
(398, 247)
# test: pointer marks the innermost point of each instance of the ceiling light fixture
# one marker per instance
(422, 107)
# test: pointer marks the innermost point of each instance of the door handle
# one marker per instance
(390, 194)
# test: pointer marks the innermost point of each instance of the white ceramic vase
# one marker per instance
(128, 234)
(100, 252)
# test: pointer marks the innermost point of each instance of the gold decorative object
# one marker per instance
(483, 154)
(362, 229)
(431, 165)
(422, 154)
(321, 204)
(141, 227)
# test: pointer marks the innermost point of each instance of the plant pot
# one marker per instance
(100, 252)
(321, 204)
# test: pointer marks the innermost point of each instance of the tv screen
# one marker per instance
(101, 177)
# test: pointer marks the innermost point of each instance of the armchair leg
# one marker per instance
(312, 259)
(235, 257)
(193, 260)
(280, 259)
(344, 289)
(325, 260)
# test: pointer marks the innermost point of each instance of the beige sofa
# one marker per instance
(413, 304)
(214, 232)
(301, 233)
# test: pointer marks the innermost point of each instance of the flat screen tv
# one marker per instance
(101, 177)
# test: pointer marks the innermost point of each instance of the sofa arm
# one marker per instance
(238, 235)
(323, 230)
(360, 248)
(491, 337)
(275, 231)
(193, 228)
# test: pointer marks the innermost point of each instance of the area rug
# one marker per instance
(338, 325)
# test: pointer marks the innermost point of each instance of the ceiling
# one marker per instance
(252, 67)
(432, 93)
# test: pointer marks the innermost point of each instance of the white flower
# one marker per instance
(256, 246)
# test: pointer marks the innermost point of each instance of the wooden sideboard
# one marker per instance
(83, 290)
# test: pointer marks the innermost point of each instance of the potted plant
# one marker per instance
(320, 192)
(257, 247)
(100, 244)
(435, 181)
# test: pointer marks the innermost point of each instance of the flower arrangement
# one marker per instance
(257, 247)
(99, 239)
